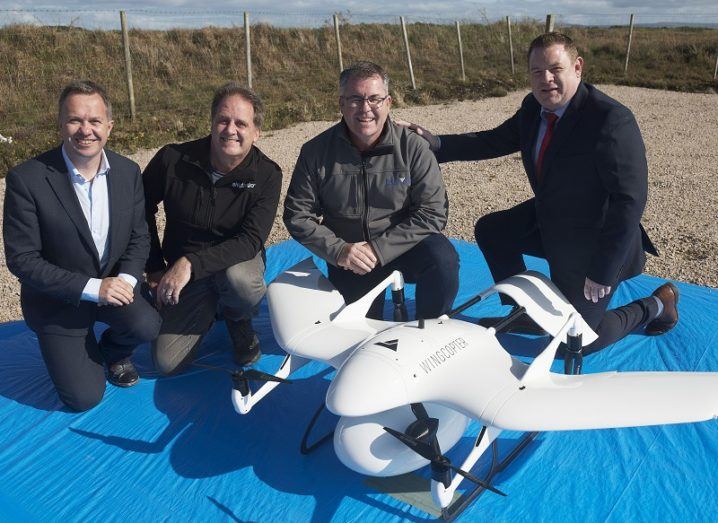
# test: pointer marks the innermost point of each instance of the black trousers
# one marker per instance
(76, 363)
(432, 264)
(503, 238)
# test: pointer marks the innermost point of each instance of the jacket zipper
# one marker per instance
(210, 211)
(365, 212)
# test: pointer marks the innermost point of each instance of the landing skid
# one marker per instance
(457, 507)
(306, 449)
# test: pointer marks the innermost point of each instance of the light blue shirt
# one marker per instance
(544, 125)
(94, 202)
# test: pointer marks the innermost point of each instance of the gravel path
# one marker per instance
(681, 135)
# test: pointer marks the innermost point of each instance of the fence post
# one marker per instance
(248, 47)
(511, 44)
(339, 42)
(549, 24)
(408, 53)
(628, 47)
(715, 71)
(128, 64)
(461, 51)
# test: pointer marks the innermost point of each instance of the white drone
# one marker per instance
(406, 391)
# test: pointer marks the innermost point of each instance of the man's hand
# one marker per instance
(434, 142)
(593, 291)
(115, 291)
(358, 258)
(173, 281)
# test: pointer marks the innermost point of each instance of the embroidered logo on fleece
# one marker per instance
(244, 185)
(399, 180)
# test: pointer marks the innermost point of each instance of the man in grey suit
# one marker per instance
(76, 238)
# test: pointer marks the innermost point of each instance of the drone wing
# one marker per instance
(609, 400)
(310, 318)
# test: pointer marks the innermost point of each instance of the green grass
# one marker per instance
(295, 71)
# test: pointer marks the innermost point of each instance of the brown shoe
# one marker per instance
(245, 341)
(668, 294)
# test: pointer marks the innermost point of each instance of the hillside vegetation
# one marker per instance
(295, 71)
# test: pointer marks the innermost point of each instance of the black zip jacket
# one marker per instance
(214, 225)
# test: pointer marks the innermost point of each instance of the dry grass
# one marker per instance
(295, 71)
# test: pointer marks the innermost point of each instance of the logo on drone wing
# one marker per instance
(390, 344)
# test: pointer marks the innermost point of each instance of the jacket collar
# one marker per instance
(382, 147)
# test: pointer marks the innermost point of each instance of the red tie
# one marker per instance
(551, 122)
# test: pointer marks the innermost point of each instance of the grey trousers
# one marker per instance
(238, 290)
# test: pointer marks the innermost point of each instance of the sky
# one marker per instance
(165, 14)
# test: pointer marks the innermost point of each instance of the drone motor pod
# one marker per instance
(400, 313)
(573, 360)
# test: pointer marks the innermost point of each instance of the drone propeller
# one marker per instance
(440, 464)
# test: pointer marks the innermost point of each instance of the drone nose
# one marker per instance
(366, 384)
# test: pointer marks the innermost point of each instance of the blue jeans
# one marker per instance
(432, 264)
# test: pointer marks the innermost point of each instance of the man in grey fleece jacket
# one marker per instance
(367, 196)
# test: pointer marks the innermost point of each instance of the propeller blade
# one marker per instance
(258, 375)
(422, 449)
(419, 410)
(213, 367)
(468, 476)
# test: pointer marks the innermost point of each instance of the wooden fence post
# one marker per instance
(715, 71)
(628, 47)
(408, 53)
(128, 64)
(511, 44)
(549, 24)
(461, 51)
(339, 42)
(248, 47)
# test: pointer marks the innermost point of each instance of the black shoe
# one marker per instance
(122, 373)
(668, 294)
(245, 341)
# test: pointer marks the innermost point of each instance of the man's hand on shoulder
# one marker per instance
(115, 291)
(434, 142)
(593, 291)
(173, 281)
(359, 258)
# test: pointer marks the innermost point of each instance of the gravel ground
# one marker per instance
(681, 135)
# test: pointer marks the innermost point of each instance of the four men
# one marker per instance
(366, 195)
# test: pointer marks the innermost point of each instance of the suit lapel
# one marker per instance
(114, 198)
(59, 180)
(528, 149)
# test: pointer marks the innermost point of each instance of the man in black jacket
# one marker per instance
(586, 162)
(220, 196)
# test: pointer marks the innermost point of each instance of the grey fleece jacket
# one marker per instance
(391, 196)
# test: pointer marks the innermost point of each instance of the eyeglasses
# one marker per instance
(358, 101)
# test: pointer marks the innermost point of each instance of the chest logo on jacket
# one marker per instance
(399, 180)
(244, 185)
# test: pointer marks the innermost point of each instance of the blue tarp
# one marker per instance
(174, 449)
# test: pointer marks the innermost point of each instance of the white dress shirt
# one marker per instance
(94, 201)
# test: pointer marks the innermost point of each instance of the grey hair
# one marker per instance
(362, 71)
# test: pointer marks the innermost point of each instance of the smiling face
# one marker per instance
(85, 127)
(554, 76)
(365, 122)
(233, 132)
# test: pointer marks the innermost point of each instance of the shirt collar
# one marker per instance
(75, 174)
(558, 112)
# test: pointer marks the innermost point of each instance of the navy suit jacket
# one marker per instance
(594, 181)
(48, 244)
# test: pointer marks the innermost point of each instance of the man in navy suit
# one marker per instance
(76, 238)
(586, 163)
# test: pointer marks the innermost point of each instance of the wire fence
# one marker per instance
(163, 72)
